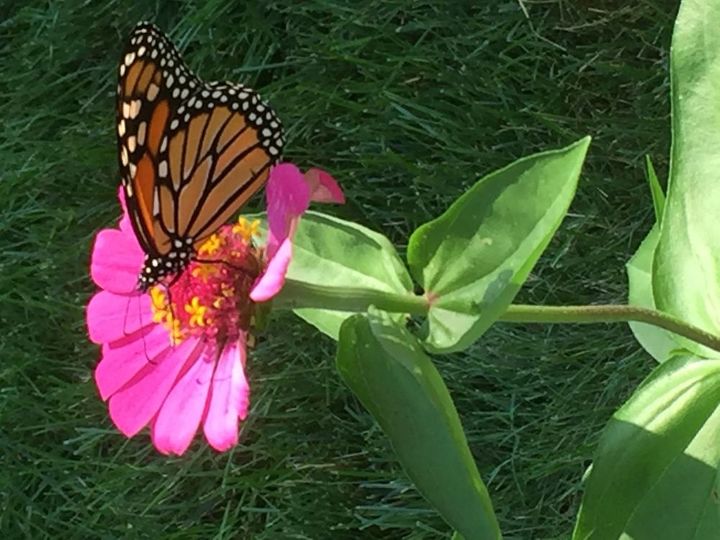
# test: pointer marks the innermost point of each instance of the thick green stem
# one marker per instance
(296, 294)
(608, 313)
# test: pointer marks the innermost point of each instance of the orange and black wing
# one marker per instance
(191, 153)
(217, 154)
(153, 82)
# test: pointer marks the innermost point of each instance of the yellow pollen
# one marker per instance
(204, 271)
(246, 229)
(158, 298)
(163, 314)
(228, 291)
(160, 310)
(174, 328)
(196, 312)
(210, 246)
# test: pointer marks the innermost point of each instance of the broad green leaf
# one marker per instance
(658, 342)
(396, 381)
(472, 260)
(658, 196)
(686, 273)
(336, 253)
(655, 474)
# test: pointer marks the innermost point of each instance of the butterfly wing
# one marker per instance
(218, 153)
(191, 153)
(153, 81)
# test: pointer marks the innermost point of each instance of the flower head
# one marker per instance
(174, 357)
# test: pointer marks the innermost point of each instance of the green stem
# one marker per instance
(297, 294)
(608, 313)
(347, 299)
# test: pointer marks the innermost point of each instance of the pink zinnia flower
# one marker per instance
(175, 359)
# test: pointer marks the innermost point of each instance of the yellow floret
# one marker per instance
(211, 245)
(196, 312)
(246, 229)
(204, 271)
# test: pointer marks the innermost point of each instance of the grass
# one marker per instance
(407, 104)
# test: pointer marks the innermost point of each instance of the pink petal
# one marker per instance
(125, 225)
(133, 406)
(112, 316)
(324, 188)
(288, 196)
(273, 279)
(123, 359)
(121, 199)
(116, 261)
(180, 414)
(229, 398)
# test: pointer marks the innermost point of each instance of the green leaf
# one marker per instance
(686, 274)
(472, 260)
(336, 253)
(396, 381)
(658, 342)
(658, 196)
(655, 474)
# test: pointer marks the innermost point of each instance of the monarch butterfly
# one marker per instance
(191, 153)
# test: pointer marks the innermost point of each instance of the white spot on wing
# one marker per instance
(141, 133)
(152, 92)
(135, 108)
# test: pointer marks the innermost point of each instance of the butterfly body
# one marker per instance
(191, 153)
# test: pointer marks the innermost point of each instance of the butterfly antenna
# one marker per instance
(142, 326)
(250, 271)
(125, 317)
(168, 290)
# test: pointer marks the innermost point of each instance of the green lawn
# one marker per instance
(406, 104)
